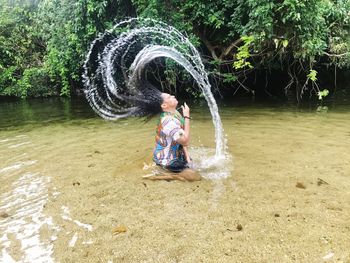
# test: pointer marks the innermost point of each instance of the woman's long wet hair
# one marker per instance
(148, 101)
(121, 95)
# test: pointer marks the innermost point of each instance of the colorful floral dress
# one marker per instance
(167, 151)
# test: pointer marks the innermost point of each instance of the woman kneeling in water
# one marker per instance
(172, 139)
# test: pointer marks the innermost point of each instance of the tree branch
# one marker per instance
(229, 48)
(207, 43)
(337, 55)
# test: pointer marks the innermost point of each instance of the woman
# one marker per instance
(172, 139)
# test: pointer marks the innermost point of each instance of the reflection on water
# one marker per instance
(60, 166)
(42, 111)
(52, 110)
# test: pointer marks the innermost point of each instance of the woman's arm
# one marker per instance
(185, 137)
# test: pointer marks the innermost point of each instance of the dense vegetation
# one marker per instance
(43, 43)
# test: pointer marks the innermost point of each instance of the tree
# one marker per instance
(290, 35)
(43, 43)
(21, 51)
(69, 27)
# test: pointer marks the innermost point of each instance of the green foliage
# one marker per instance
(281, 43)
(229, 77)
(69, 27)
(338, 21)
(322, 94)
(7, 80)
(35, 83)
(287, 34)
(299, 31)
(46, 41)
(312, 75)
(21, 50)
(243, 53)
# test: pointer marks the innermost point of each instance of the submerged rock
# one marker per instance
(4, 215)
(300, 185)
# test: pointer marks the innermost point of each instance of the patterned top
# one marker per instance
(169, 129)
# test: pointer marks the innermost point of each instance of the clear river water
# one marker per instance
(71, 187)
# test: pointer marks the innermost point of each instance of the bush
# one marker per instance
(35, 83)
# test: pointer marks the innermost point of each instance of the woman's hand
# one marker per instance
(185, 139)
(185, 110)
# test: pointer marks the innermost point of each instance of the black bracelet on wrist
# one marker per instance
(186, 117)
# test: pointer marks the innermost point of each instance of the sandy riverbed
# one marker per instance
(287, 199)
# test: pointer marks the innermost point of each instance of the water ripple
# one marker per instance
(17, 166)
(18, 145)
(23, 207)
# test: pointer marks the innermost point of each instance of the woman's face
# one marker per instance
(170, 100)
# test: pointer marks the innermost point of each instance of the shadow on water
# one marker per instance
(336, 102)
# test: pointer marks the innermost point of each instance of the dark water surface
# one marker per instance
(47, 110)
(42, 111)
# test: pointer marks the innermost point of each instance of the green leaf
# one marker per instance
(312, 75)
(322, 94)
(285, 43)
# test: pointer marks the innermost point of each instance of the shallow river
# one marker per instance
(71, 187)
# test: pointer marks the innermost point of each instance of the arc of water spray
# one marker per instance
(115, 60)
